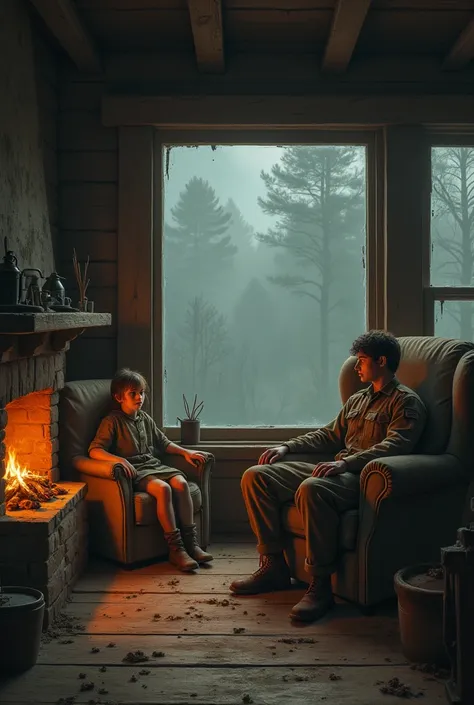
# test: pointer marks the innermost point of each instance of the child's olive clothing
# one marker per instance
(139, 440)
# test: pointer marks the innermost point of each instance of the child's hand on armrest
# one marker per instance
(194, 457)
(101, 454)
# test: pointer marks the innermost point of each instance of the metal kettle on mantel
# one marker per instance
(9, 278)
(54, 288)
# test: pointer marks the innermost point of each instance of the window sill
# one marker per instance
(232, 450)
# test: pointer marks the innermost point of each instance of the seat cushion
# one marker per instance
(145, 505)
(347, 528)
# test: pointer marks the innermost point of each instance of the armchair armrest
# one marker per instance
(404, 475)
(199, 475)
(410, 506)
(108, 470)
(111, 511)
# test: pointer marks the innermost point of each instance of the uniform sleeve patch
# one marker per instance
(411, 413)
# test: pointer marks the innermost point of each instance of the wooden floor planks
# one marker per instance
(214, 649)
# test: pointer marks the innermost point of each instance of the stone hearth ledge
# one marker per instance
(45, 520)
(46, 548)
(21, 323)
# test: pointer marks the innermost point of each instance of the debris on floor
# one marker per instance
(401, 690)
(137, 656)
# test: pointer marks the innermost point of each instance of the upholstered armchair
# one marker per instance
(410, 506)
(123, 525)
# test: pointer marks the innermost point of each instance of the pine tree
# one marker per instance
(197, 243)
(317, 194)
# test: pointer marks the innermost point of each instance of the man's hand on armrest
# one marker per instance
(273, 455)
(101, 454)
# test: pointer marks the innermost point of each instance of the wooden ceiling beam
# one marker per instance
(462, 51)
(62, 19)
(347, 21)
(206, 24)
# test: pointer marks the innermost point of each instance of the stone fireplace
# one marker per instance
(45, 548)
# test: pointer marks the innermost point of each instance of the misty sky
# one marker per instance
(232, 171)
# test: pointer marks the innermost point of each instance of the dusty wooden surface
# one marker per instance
(198, 658)
(40, 322)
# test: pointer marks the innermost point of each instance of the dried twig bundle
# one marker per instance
(82, 280)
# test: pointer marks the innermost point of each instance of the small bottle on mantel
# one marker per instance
(458, 563)
(9, 278)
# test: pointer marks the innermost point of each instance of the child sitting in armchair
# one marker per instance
(131, 437)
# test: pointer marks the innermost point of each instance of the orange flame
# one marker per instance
(17, 476)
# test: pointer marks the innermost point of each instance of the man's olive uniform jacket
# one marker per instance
(370, 425)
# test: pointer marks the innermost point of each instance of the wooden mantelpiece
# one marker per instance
(30, 334)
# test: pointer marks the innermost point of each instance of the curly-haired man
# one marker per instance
(384, 419)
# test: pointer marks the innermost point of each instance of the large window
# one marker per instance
(451, 294)
(264, 277)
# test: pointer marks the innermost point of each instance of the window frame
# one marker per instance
(455, 137)
(374, 251)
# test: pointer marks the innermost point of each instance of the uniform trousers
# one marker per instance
(319, 500)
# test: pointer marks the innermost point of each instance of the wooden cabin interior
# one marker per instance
(111, 112)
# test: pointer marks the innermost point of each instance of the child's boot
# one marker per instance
(178, 555)
(192, 545)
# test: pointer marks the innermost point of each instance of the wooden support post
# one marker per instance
(206, 23)
(348, 18)
(135, 250)
(62, 19)
(462, 51)
(406, 226)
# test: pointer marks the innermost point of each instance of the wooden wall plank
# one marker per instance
(88, 206)
(88, 166)
(268, 112)
(102, 274)
(228, 513)
(135, 231)
(295, 5)
(277, 72)
(80, 95)
(100, 246)
(82, 130)
(91, 358)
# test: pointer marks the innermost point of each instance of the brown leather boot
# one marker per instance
(316, 602)
(192, 546)
(273, 574)
(178, 555)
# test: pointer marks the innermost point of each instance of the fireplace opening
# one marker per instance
(31, 438)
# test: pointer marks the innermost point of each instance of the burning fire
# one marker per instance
(26, 489)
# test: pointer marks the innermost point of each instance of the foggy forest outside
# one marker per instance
(264, 280)
(452, 236)
(264, 275)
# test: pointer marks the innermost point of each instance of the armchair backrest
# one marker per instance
(82, 405)
(441, 371)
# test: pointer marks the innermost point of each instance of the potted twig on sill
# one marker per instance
(190, 425)
(82, 281)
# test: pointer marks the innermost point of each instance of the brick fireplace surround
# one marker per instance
(44, 548)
